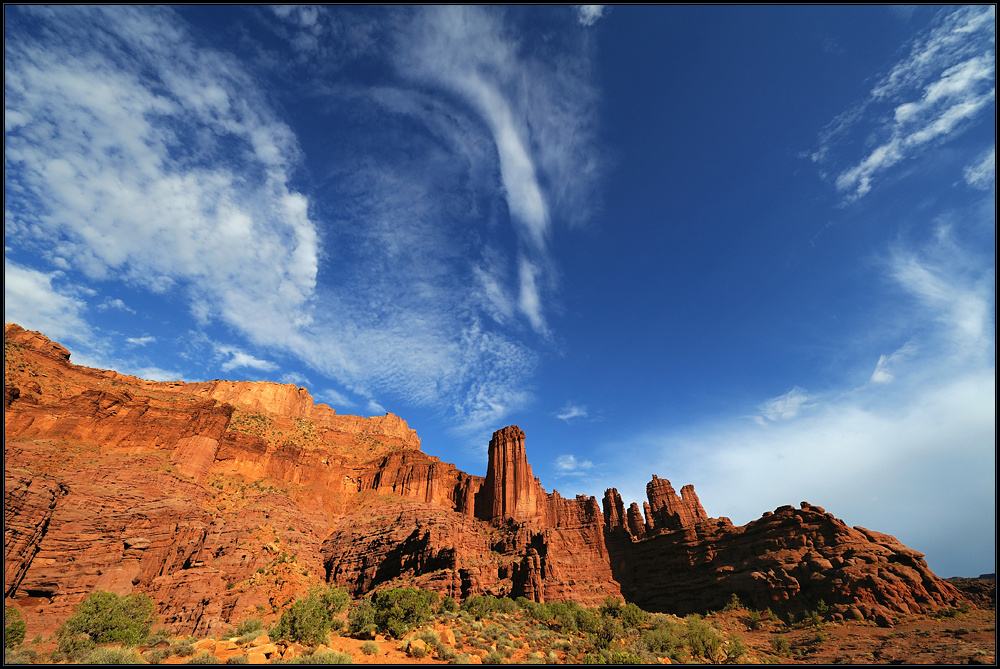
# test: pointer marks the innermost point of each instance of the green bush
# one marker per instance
(112, 656)
(22, 656)
(183, 649)
(493, 658)
(632, 616)
(369, 648)
(248, 626)
(204, 657)
(481, 606)
(14, 627)
(753, 620)
(701, 638)
(612, 607)
(361, 619)
(399, 610)
(781, 646)
(663, 640)
(326, 657)
(449, 605)
(624, 657)
(310, 619)
(104, 617)
(238, 659)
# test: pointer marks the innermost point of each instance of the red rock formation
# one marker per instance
(511, 491)
(667, 511)
(219, 497)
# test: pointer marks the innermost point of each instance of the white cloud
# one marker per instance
(884, 367)
(140, 341)
(294, 377)
(925, 421)
(784, 407)
(946, 81)
(568, 464)
(161, 164)
(539, 116)
(114, 303)
(336, 399)
(32, 301)
(588, 15)
(158, 163)
(570, 411)
(982, 174)
(238, 358)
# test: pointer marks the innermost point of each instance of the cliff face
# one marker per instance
(220, 498)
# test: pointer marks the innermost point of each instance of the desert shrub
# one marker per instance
(204, 657)
(238, 659)
(399, 610)
(14, 627)
(326, 657)
(733, 604)
(781, 646)
(310, 619)
(701, 638)
(249, 626)
(22, 656)
(493, 657)
(416, 651)
(624, 657)
(736, 648)
(183, 649)
(112, 656)
(753, 620)
(369, 648)
(157, 655)
(535, 658)
(492, 632)
(632, 616)
(611, 608)
(448, 605)
(611, 629)
(335, 599)
(104, 617)
(462, 659)
(429, 637)
(481, 606)
(444, 652)
(361, 619)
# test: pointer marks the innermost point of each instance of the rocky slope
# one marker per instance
(222, 499)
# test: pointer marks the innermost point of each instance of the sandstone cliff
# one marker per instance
(221, 499)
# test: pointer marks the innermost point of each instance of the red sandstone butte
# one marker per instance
(222, 497)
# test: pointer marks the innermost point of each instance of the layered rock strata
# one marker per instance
(225, 499)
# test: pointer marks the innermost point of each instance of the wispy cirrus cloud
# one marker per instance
(571, 411)
(982, 174)
(588, 15)
(235, 359)
(569, 465)
(137, 153)
(140, 341)
(40, 301)
(947, 79)
(784, 407)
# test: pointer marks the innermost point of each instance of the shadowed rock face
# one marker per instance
(222, 497)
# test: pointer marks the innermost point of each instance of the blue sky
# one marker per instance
(748, 248)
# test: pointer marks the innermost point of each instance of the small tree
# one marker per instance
(104, 617)
(310, 618)
(14, 628)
